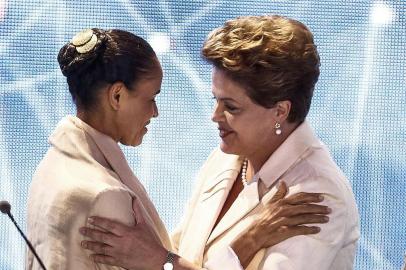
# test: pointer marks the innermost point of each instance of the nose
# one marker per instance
(155, 115)
(217, 113)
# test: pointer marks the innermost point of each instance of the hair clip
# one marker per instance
(84, 41)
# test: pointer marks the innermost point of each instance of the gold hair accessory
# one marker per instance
(84, 41)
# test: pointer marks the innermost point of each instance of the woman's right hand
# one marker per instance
(283, 218)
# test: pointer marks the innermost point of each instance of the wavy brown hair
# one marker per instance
(274, 58)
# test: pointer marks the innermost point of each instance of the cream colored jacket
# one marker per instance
(84, 173)
(304, 163)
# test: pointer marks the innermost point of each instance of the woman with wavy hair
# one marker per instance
(264, 73)
(114, 77)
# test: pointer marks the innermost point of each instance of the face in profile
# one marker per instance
(244, 127)
(137, 107)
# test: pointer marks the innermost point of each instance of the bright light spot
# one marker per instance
(160, 42)
(382, 14)
(3, 7)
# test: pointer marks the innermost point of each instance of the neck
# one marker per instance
(258, 157)
(98, 120)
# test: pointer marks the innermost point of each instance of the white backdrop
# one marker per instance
(358, 108)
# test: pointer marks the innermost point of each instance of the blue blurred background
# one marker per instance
(358, 109)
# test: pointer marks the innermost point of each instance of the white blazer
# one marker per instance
(304, 163)
(84, 173)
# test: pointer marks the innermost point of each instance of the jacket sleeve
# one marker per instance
(224, 259)
(116, 204)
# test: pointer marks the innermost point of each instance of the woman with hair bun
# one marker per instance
(114, 77)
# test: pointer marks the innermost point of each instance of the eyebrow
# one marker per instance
(227, 99)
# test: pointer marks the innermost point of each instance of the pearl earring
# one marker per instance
(278, 130)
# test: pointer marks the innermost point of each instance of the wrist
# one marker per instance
(169, 261)
(159, 259)
(245, 247)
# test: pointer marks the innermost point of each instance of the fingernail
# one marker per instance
(329, 210)
(83, 244)
(90, 220)
(317, 229)
(82, 230)
(325, 218)
(321, 197)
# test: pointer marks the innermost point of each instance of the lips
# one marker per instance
(224, 132)
(145, 127)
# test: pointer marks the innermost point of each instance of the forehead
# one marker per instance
(224, 86)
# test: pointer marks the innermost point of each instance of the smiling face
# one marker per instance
(245, 127)
(137, 107)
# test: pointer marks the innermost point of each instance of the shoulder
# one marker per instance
(319, 169)
(115, 203)
(319, 173)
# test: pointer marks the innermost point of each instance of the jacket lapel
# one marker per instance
(213, 194)
(117, 161)
(113, 155)
(246, 201)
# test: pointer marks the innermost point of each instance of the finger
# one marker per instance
(96, 247)
(292, 210)
(304, 197)
(108, 225)
(139, 217)
(286, 232)
(98, 236)
(105, 259)
(280, 193)
(301, 220)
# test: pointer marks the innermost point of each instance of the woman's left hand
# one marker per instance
(130, 247)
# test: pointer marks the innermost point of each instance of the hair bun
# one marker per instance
(81, 51)
(84, 41)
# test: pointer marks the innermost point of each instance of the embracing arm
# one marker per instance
(113, 203)
(282, 219)
(333, 245)
(133, 247)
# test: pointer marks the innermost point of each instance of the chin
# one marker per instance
(132, 142)
(137, 142)
(228, 149)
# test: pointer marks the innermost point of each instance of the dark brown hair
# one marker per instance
(117, 56)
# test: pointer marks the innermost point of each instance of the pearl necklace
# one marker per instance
(244, 173)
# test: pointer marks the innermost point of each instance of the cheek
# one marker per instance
(249, 129)
(240, 123)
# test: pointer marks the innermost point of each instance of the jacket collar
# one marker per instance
(80, 140)
(292, 150)
(297, 146)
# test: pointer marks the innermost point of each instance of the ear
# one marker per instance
(282, 110)
(115, 94)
